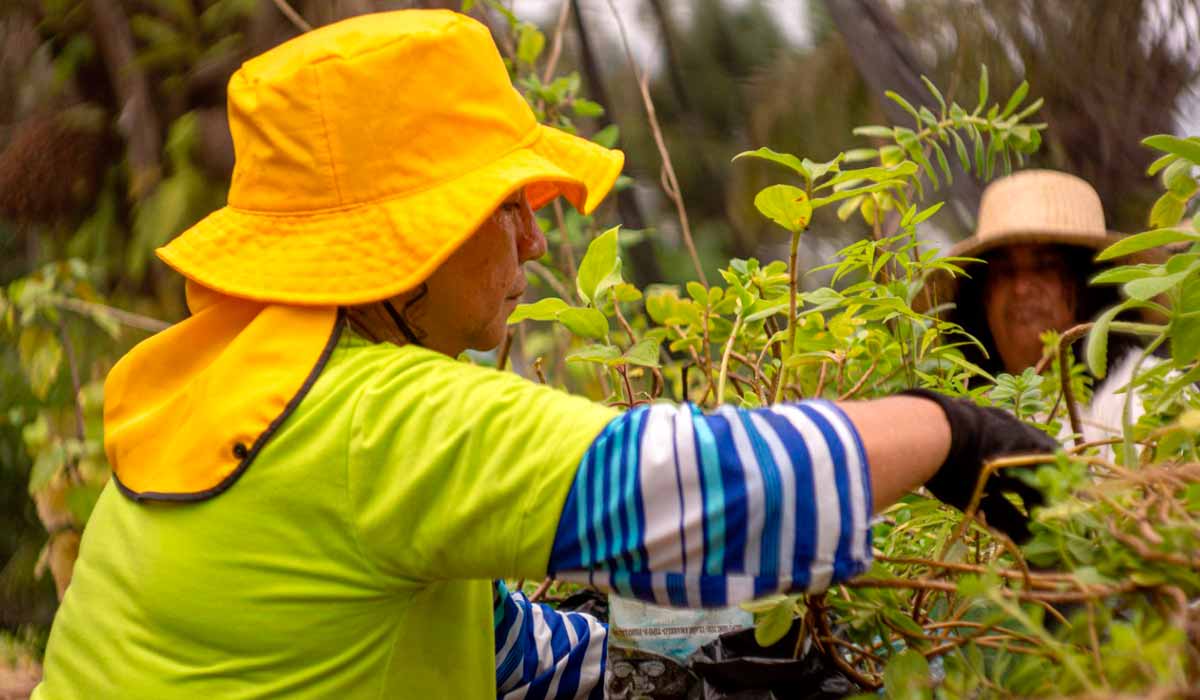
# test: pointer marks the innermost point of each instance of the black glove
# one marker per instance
(977, 435)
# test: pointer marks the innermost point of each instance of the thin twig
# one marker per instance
(670, 182)
(542, 271)
(565, 240)
(861, 380)
(502, 356)
(564, 13)
(622, 321)
(1064, 371)
(293, 16)
(724, 372)
(91, 308)
(541, 590)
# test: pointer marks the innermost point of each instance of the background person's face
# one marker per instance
(1029, 289)
(470, 296)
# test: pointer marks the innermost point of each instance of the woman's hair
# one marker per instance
(970, 311)
(361, 317)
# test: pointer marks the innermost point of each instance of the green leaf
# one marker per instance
(1016, 98)
(1178, 180)
(785, 159)
(607, 136)
(1161, 163)
(1185, 327)
(961, 149)
(1145, 241)
(926, 213)
(47, 465)
(785, 205)
(983, 88)
(943, 162)
(600, 267)
(765, 604)
(603, 354)
(1123, 274)
(872, 131)
(818, 170)
(1167, 211)
(937, 94)
(1185, 148)
(895, 97)
(1146, 288)
(906, 677)
(873, 173)
(644, 353)
(584, 322)
(40, 353)
(859, 155)
(1096, 350)
(81, 500)
(660, 302)
(586, 108)
(543, 310)
(774, 624)
(530, 43)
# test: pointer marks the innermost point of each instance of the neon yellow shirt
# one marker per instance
(352, 559)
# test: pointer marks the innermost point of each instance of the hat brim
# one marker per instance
(942, 287)
(373, 251)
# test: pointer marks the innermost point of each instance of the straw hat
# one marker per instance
(367, 152)
(1030, 207)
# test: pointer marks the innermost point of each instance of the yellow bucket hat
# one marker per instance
(367, 152)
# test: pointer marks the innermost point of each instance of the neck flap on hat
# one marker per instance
(187, 410)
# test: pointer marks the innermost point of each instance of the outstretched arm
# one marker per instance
(679, 507)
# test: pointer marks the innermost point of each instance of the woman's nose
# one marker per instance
(532, 243)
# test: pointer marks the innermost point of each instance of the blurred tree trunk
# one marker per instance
(886, 60)
(1110, 78)
(138, 122)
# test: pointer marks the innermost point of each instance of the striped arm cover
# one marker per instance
(541, 653)
(676, 507)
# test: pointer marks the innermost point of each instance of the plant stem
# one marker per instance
(781, 378)
(1128, 449)
(565, 246)
(89, 308)
(737, 324)
(669, 182)
(542, 271)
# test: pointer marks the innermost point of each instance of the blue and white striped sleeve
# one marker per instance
(678, 507)
(542, 653)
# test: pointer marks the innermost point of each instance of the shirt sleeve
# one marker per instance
(459, 472)
(543, 653)
(676, 507)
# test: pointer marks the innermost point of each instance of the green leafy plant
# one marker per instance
(1097, 601)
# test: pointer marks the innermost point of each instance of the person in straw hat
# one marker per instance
(1038, 233)
(311, 498)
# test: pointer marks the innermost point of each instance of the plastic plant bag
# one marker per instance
(735, 667)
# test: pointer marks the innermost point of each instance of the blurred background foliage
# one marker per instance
(113, 139)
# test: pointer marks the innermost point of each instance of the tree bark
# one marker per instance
(137, 122)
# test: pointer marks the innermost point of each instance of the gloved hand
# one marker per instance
(977, 435)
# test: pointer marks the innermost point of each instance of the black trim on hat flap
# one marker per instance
(247, 456)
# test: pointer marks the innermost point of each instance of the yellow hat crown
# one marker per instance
(367, 151)
(370, 108)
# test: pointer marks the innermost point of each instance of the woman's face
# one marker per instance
(1029, 289)
(469, 298)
